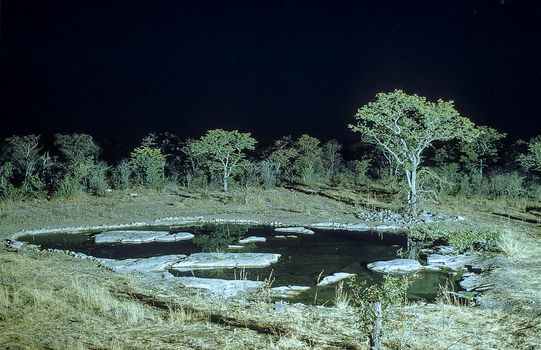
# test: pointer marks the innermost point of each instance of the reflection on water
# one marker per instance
(302, 260)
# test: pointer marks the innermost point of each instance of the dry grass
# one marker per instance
(58, 302)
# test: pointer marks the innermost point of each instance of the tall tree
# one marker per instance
(224, 151)
(406, 125)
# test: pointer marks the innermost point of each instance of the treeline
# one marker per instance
(221, 159)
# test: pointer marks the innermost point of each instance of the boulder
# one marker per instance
(132, 237)
(206, 261)
(143, 265)
(301, 230)
(288, 291)
(234, 246)
(336, 277)
(395, 266)
(175, 237)
(252, 239)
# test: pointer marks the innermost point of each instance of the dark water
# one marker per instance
(302, 260)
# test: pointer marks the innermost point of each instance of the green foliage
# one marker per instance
(509, 185)
(148, 165)
(309, 159)
(76, 148)
(470, 238)
(223, 151)
(219, 240)
(531, 160)
(333, 160)
(6, 172)
(482, 151)
(97, 179)
(391, 292)
(360, 168)
(24, 154)
(68, 187)
(404, 126)
(121, 175)
(462, 238)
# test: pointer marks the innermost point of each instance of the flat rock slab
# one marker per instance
(336, 277)
(357, 227)
(218, 287)
(143, 265)
(288, 291)
(451, 262)
(131, 237)
(301, 230)
(206, 261)
(175, 237)
(252, 239)
(395, 266)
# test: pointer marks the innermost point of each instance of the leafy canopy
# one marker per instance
(405, 125)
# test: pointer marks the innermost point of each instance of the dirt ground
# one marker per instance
(50, 300)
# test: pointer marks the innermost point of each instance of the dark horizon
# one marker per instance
(121, 70)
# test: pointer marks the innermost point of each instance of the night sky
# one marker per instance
(120, 69)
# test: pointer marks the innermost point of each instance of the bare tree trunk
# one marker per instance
(375, 338)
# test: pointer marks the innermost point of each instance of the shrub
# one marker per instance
(68, 187)
(97, 179)
(507, 185)
(121, 175)
(148, 166)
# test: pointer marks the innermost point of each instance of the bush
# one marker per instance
(462, 239)
(469, 239)
(68, 187)
(121, 175)
(391, 292)
(148, 166)
(507, 185)
(97, 179)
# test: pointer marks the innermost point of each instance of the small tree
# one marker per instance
(76, 148)
(224, 151)
(531, 160)
(483, 150)
(333, 157)
(148, 165)
(24, 154)
(309, 160)
(405, 126)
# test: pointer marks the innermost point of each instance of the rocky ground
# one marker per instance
(37, 309)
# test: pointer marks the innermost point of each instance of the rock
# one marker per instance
(132, 237)
(301, 230)
(234, 246)
(280, 237)
(395, 266)
(452, 262)
(336, 277)
(175, 237)
(143, 265)
(327, 225)
(291, 236)
(288, 291)
(218, 287)
(252, 239)
(280, 306)
(205, 261)
(357, 227)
